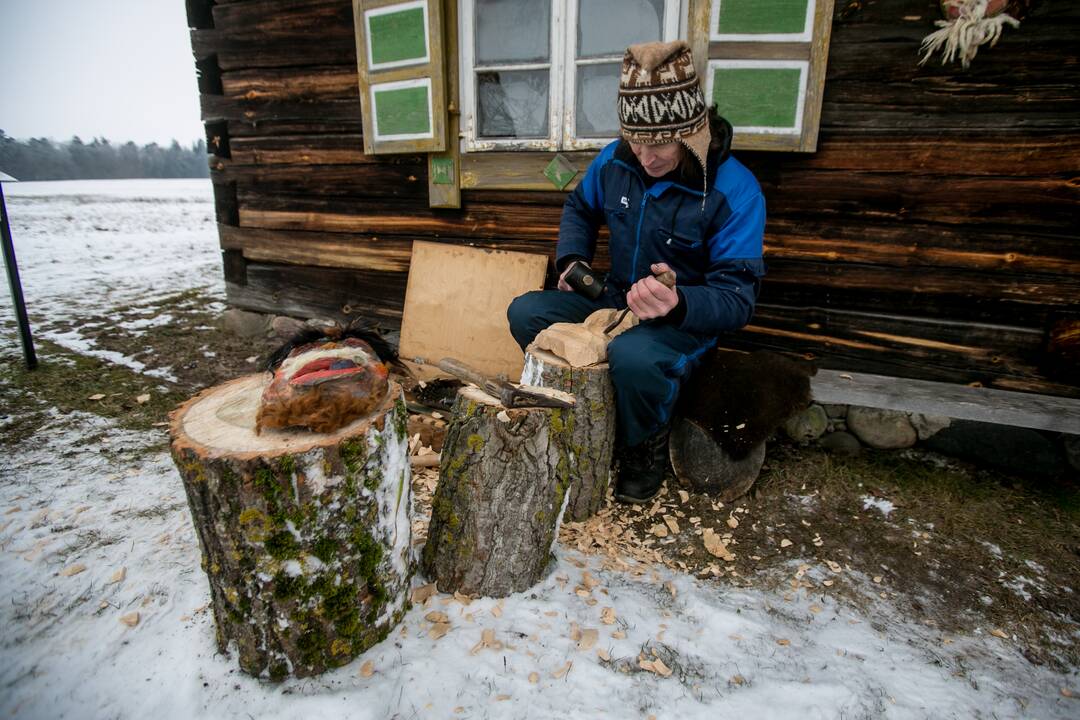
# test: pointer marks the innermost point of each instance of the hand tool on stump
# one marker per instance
(508, 394)
(666, 278)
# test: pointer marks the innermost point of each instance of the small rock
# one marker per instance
(810, 424)
(244, 323)
(835, 412)
(286, 327)
(841, 443)
(881, 429)
(928, 425)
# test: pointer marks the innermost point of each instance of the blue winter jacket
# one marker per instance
(714, 248)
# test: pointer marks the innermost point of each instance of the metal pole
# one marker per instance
(16, 286)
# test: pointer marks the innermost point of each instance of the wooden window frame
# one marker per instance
(807, 50)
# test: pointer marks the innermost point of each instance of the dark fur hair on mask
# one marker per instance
(356, 329)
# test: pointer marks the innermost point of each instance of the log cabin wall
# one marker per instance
(932, 235)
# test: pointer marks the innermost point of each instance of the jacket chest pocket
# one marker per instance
(685, 245)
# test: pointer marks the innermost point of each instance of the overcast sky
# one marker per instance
(119, 69)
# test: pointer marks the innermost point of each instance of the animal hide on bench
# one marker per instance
(742, 398)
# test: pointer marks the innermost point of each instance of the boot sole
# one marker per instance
(631, 500)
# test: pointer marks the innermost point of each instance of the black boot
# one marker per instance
(642, 469)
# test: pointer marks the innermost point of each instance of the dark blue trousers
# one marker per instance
(648, 363)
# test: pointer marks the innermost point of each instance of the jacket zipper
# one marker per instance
(637, 237)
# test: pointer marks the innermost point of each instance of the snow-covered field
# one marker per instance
(105, 610)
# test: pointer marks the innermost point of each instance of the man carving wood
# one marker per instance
(674, 200)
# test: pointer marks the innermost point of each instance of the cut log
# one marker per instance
(702, 465)
(501, 495)
(591, 425)
(305, 537)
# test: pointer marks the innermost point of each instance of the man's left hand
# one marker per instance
(649, 298)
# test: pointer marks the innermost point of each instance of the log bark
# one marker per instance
(305, 537)
(703, 466)
(502, 492)
(591, 427)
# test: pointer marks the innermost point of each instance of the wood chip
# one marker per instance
(463, 599)
(497, 611)
(834, 566)
(683, 496)
(607, 616)
(487, 642)
(588, 639)
(534, 677)
(785, 543)
(438, 630)
(1066, 692)
(436, 617)
(715, 545)
(659, 530)
(97, 396)
(367, 669)
(672, 524)
(502, 416)
(655, 666)
(131, 619)
(561, 672)
(73, 570)
(816, 609)
(422, 593)
(998, 632)
(142, 399)
(118, 576)
(618, 635)
(783, 641)
(732, 522)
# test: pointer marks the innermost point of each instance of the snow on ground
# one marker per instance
(94, 244)
(94, 528)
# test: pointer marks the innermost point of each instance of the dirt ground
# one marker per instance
(964, 550)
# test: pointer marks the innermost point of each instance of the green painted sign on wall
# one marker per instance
(442, 171)
(398, 36)
(402, 110)
(756, 96)
(759, 17)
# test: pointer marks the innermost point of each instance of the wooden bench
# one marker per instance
(1004, 407)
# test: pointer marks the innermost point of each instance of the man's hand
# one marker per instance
(562, 278)
(648, 297)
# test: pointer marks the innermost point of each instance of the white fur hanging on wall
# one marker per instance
(968, 24)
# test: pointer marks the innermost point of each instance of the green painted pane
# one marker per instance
(762, 16)
(757, 96)
(442, 171)
(403, 111)
(397, 36)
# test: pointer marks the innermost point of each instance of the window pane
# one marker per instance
(513, 104)
(607, 27)
(597, 94)
(512, 31)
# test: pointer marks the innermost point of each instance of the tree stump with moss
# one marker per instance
(305, 537)
(502, 492)
(591, 425)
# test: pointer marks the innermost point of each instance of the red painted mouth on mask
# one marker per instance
(324, 369)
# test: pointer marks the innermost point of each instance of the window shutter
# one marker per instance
(400, 58)
(766, 69)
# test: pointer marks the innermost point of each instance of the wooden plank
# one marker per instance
(1004, 407)
(333, 293)
(517, 171)
(338, 149)
(444, 168)
(254, 113)
(455, 305)
(305, 84)
(870, 241)
(342, 250)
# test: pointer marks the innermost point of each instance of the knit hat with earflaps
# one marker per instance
(660, 98)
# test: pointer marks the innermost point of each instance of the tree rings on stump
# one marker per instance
(703, 466)
(591, 425)
(305, 537)
(502, 491)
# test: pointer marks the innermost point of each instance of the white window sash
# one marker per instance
(562, 98)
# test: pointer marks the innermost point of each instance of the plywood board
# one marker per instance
(455, 306)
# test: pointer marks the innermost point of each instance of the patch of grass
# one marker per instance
(67, 380)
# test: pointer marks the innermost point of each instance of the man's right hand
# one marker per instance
(562, 278)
